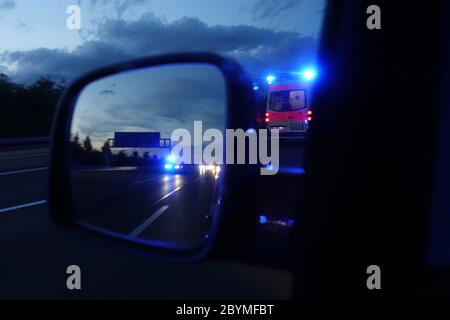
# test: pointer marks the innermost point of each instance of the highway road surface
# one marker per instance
(165, 207)
(35, 253)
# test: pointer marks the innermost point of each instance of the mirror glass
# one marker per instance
(124, 180)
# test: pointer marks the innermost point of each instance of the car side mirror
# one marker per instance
(117, 169)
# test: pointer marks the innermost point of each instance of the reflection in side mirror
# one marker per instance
(124, 181)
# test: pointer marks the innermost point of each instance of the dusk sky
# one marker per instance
(263, 35)
(158, 99)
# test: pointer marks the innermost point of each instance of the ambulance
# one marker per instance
(288, 106)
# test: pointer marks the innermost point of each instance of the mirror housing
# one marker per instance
(235, 220)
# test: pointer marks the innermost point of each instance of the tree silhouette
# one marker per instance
(76, 139)
(87, 145)
(121, 158)
(77, 149)
(107, 154)
(106, 149)
(27, 110)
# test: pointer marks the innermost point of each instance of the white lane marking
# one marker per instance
(168, 195)
(144, 180)
(22, 171)
(148, 222)
(26, 205)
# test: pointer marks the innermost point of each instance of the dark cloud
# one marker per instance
(110, 92)
(179, 100)
(271, 9)
(7, 5)
(151, 35)
(59, 63)
(258, 49)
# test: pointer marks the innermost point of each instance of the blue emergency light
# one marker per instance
(270, 78)
(309, 74)
(171, 159)
(170, 164)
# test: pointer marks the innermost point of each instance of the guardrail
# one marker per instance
(24, 141)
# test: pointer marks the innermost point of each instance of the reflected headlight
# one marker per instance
(168, 166)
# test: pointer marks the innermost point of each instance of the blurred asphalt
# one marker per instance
(35, 253)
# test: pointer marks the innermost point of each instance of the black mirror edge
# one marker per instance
(232, 226)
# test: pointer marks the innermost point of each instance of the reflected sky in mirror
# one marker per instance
(159, 99)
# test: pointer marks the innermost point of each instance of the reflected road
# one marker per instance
(136, 202)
